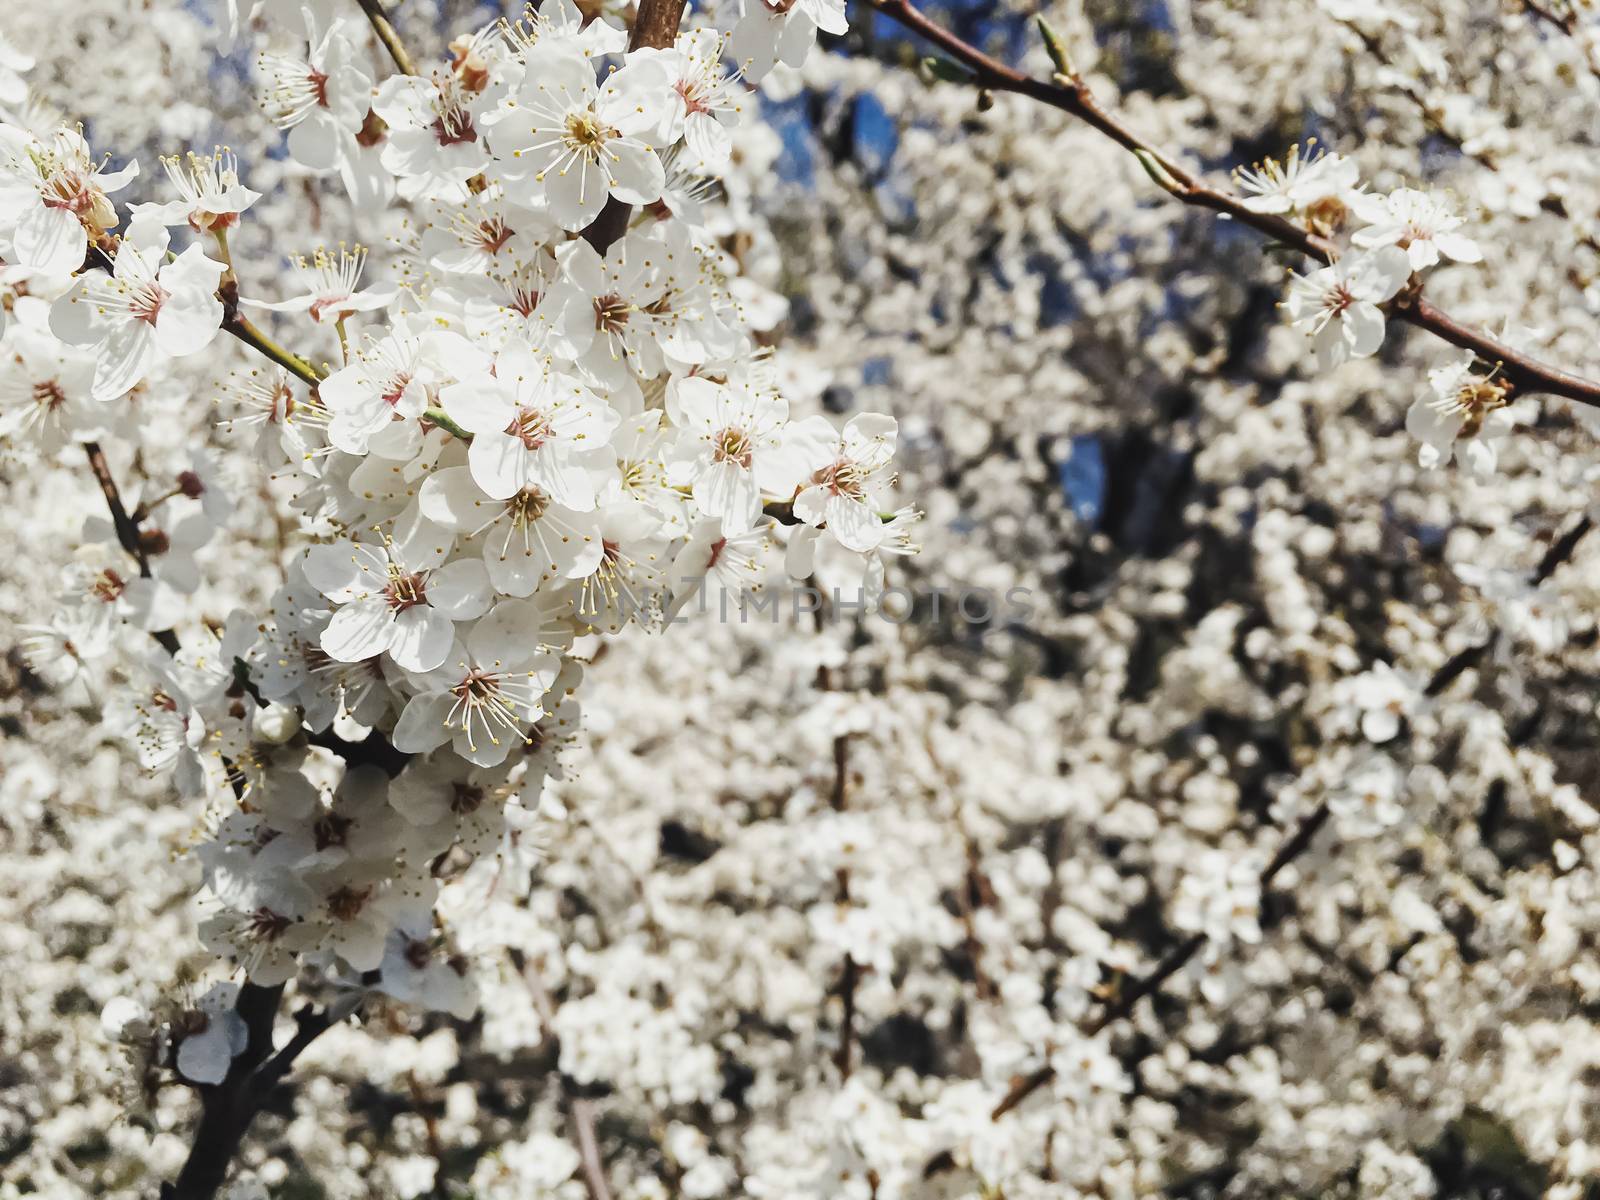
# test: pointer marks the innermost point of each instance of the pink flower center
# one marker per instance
(689, 92)
(397, 388)
(338, 305)
(453, 128)
(843, 478)
(530, 426)
(145, 303)
(493, 233)
(319, 87)
(70, 191)
(48, 393)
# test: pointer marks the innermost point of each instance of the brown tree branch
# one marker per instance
(1127, 999)
(655, 25)
(1071, 94)
(228, 1108)
(388, 35)
(127, 528)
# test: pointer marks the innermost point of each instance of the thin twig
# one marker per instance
(1072, 95)
(247, 332)
(127, 529)
(1127, 999)
(580, 1108)
(388, 35)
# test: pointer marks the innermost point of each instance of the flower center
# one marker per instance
(587, 134)
(1473, 401)
(527, 506)
(1327, 215)
(611, 313)
(48, 394)
(453, 127)
(405, 590)
(107, 586)
(733, 445)
(492, 234)
(330, 830)
(346, 903)
(465, 798)
(1337, 299)
(68, 190)
(530, 427)
(689, 92)
(398, 383)
(264, 925)
(145, 303)
(843, 478)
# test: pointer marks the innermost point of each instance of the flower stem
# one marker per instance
(245, 330)
(437, 416)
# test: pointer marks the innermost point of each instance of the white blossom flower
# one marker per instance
(1367, 802)
(332, 292)
(1319, 184)
(527, 539)
(1465, 416)
(533, 428)
(845, 492)
(211, 1035)
(46, 392)
(320, 99)
(562, 22)
(210, 196)
(388, 385)
(709, 100)
(433, 145)
(143, 312)
(1416, 222)
(414, 971)
(481, 699)
(397, 598)
(582, 141)
(1220, 897)
(54, 198)
(728, 448)
(1379, 700)
(1338, 305)
(773, 31)
(627, 582)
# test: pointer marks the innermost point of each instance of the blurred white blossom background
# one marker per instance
(1246, 848)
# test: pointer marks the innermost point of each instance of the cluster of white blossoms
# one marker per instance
(1392, 239)
(535, 440)
(1247, 607)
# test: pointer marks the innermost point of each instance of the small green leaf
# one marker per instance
(943, 68)
(1057, 49)
(1153, 168)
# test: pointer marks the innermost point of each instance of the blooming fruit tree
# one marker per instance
(557, 420)
(559, 427)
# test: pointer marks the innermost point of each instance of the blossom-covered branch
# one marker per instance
(1070, 93)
